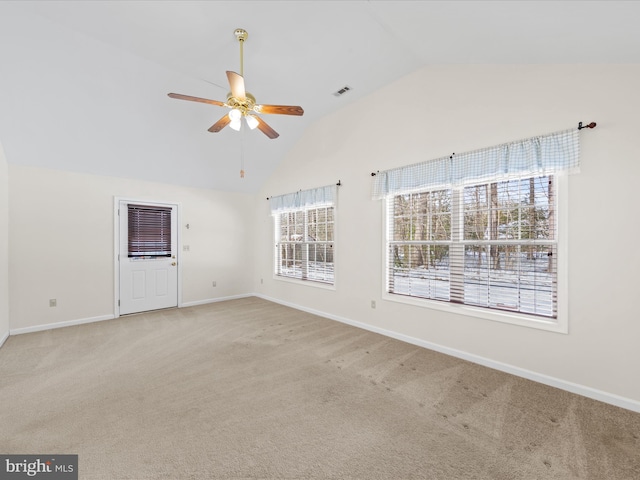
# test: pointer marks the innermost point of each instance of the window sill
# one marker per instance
(523, 320)
(309, 283)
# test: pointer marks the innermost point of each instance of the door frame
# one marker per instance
(116, 246)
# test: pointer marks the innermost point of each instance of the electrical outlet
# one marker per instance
(53, 302)
(214, 283)
(373, 304)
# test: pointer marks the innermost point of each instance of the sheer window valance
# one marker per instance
(547, 154)
(304, 198)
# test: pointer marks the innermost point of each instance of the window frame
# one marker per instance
(558, 324)
(277, 243)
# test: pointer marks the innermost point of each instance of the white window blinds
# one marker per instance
(491, 245)
(304, 224)
(541, 155)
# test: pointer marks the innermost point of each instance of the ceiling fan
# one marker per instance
(242, 103)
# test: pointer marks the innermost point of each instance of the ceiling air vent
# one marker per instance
(342, 91)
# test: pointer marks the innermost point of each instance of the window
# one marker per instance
(480, 230)
(305, 234)
(149, 230)
(305, 246)
(488, 245)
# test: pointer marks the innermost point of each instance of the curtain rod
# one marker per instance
(339, 184)
(580, 127)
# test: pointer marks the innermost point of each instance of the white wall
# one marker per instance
(61, 232)
(4, 248)
(444, 109)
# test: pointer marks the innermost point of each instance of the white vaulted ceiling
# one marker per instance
(83, 85)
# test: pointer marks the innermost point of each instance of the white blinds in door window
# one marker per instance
(149, 230)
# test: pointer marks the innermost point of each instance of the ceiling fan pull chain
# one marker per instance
(242, 150)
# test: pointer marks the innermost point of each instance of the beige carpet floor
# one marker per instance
(248, 389)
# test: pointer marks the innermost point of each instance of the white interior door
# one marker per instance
(148, 256)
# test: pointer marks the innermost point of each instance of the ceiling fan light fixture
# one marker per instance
(252, 121)
(235, 114)
(236, 124)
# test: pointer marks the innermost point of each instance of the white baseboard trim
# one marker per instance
(214, 300)
(4, 338)
(51, 326)
(585, 391)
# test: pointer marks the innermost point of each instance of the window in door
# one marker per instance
(149, 230)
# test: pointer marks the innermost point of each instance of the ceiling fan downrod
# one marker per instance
(241, 35)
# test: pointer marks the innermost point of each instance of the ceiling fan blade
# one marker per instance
(279, 109)
(196, 99)
(266, 129)
(236, 82)
(220, 124)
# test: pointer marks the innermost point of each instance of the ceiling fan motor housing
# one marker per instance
(245, 105)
